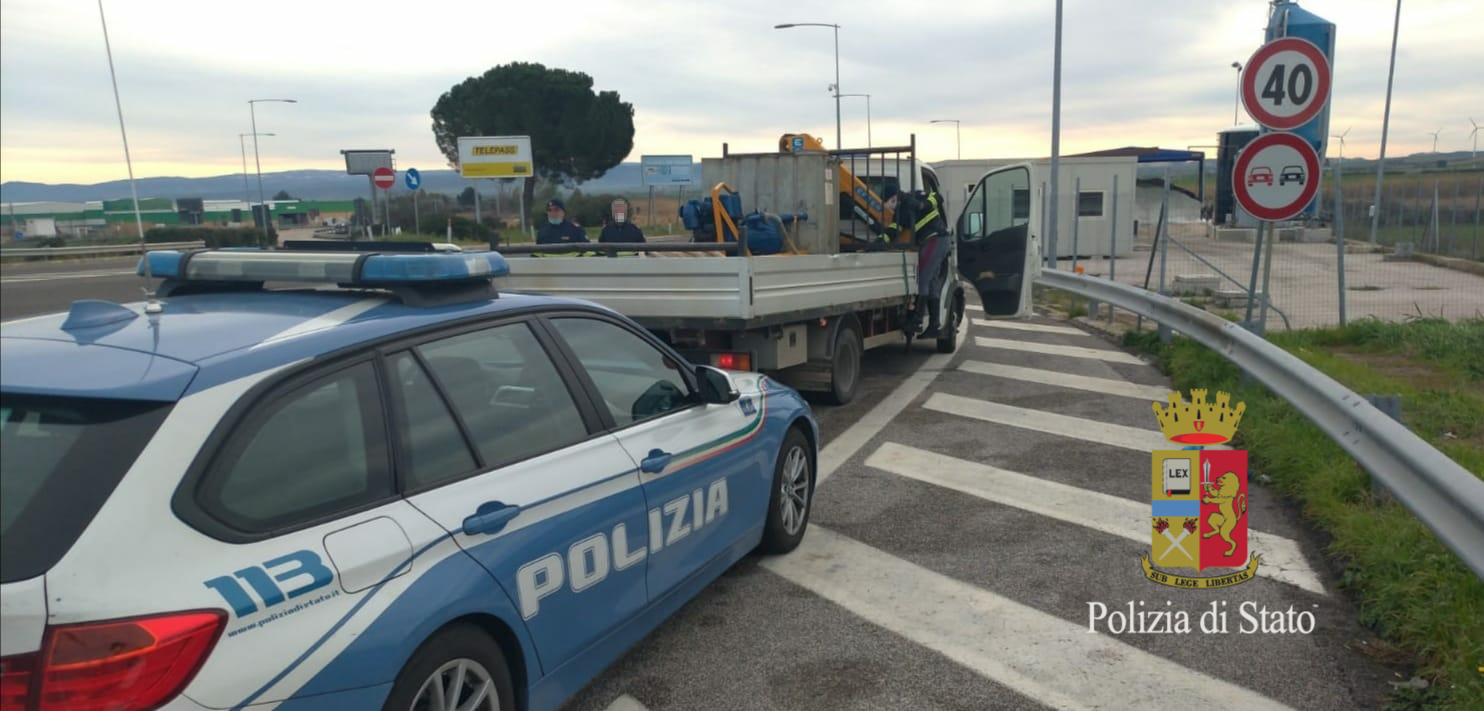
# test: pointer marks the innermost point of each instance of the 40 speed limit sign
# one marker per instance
(1286, 83)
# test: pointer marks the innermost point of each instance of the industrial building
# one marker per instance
(77, 219)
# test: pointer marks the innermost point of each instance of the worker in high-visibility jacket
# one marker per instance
(923, 211)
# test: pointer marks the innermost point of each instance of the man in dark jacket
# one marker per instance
(558, 229)
(930, 231)
(618, 228)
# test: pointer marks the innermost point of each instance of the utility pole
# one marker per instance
(1385, 124)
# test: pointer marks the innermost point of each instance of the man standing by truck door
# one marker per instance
(929, 231)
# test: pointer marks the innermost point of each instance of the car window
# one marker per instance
(60, 459)
(315, 450)
(508, 393)
(434, 448)
(637, 381)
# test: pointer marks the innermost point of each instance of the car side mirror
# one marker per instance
(716, 386)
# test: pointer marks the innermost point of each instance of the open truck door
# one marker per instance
(997, 250)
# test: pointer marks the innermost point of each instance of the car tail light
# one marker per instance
(134, 664)
(734, 361)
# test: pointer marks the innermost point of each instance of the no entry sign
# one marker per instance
(1276, 176)
(1286, 83)
(383, 178)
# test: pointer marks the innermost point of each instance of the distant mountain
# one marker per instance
(304, 184)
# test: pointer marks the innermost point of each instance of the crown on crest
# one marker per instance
(1199, 422)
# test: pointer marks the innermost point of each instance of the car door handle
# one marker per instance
(489, 518)
(655, 462)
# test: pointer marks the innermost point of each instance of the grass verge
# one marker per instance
(1408, 587)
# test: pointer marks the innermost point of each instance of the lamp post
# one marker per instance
(836, 87)
(267, 221)
(242, 142)
(868, 117)
(1237, 98)
(957, 144)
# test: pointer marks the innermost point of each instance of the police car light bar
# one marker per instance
(351, 268)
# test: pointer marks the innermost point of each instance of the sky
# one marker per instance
(366, 75)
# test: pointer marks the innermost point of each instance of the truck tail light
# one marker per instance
(734, 361)
(134, 664)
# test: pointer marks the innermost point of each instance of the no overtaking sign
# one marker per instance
(1276, 176)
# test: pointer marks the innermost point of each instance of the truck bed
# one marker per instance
(721, 291)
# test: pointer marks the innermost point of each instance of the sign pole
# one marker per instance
(1256, 262)
(1113, 251)
(478, 214)
(417, 223)
(1076, 218)
(651, 208)
(1340, 236)
(522, 201)
(1267, 272)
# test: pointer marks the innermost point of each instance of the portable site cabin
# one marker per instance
(1091, 211)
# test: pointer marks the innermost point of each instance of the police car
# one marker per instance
(403, 491)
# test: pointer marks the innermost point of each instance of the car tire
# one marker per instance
(845, 366)
(792, 498)
(948, 334)
(459, 648)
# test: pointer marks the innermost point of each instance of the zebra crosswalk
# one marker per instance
(977, 515)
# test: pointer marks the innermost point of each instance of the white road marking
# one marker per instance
(1106, 354)
(323, 321)
(847, 443)
(626, 703)
(1067, 380)
(1027, 326)
(1136, 438)
(63, 276)
(1282, 560)
(1041, 656)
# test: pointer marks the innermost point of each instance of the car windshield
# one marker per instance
(60, 459)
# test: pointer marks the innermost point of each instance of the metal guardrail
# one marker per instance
(100, 250)
(1443, 495)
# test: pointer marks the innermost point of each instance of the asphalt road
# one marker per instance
(977, 508)
(35, 288)
(972, 511)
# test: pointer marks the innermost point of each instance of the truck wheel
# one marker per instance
(845, 368)
(948, 334)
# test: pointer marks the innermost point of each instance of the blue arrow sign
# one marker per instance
(413, 179)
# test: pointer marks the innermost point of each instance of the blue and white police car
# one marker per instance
(402, 491)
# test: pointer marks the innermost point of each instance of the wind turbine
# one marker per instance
(1341, 136)
(1434, 135)
(1474, 135)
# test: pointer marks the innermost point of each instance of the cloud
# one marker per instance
(699, 74)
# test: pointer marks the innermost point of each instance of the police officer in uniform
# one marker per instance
(618, 228)
(558, 229)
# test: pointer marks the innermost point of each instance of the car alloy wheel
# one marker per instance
(458, 685)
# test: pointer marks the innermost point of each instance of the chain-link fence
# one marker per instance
(1425, 262)
(1437, 213)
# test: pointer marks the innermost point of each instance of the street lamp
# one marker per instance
(242, 142)
(868, 117)
(836, 87)
(957, 145)
(1237, 100)
(257, 161)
